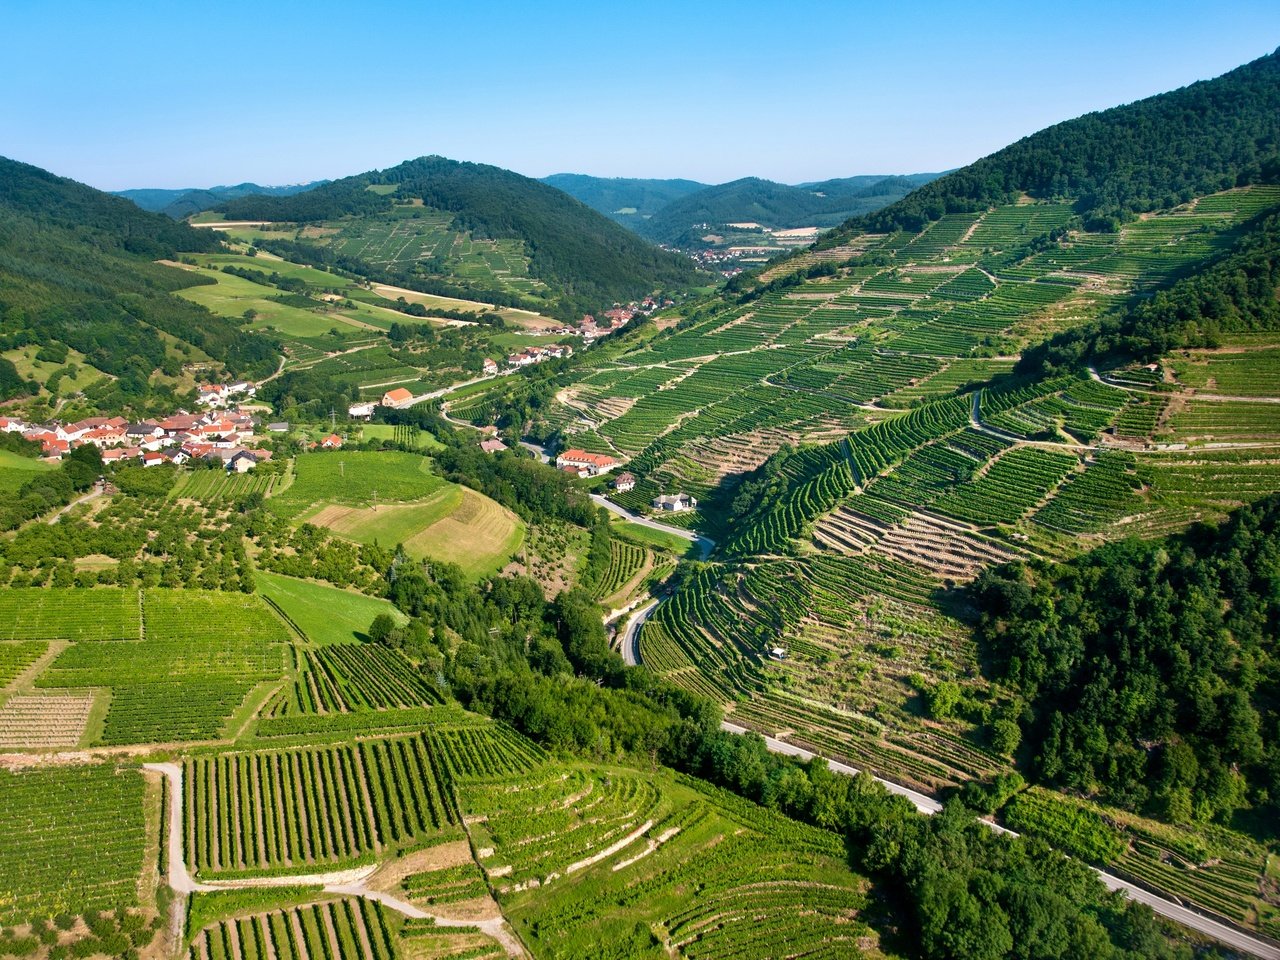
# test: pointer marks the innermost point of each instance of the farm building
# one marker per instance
(490, 367)
(675, 502)
(396, 398)
(492, 446)
(624, 482)
(242, 462)
(331, 442)
(363, 411)
(593, 463)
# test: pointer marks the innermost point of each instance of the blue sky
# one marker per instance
(132, 94)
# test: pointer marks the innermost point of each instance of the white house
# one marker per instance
(675, 502)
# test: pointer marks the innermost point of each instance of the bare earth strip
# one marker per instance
(38, 720)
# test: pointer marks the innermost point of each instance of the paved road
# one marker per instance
(1169, 909)
(706, 543)
(630, 644)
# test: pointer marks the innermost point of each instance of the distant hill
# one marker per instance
(1112, 164)
(76, 267)
(585, 259)
(190, 200)
(775, 205)
(625, 200)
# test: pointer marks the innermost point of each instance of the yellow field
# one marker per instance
(456, 525)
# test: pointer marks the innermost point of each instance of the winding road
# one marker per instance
(1169, 909)
(706, 543)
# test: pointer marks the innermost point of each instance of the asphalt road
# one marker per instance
(705, 542)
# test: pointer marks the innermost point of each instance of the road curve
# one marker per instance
(630, 644)
(706, 543)
(1169, 909)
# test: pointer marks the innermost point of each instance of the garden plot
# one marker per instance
(40, 720)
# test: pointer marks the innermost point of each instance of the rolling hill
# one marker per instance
(478, 229)
(76, 268)
(1069, 343)
(181, 203)
(828, 203)
(627, 200)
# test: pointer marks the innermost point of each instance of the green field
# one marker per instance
(325, 614)
(73, 840)
(454, 524)
(15, 470)
(385, 431)
(354, 477)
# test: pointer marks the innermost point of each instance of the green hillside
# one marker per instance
(76, 270)
(181, 203)
(1044, 353)
(626, 200)
(1146, 155)
(684, 220)
(574, 258)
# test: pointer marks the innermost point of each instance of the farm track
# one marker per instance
(342, 883)
(1169, 909)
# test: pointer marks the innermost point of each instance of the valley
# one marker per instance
(441, 562)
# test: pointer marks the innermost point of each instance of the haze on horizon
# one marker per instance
(118, 96)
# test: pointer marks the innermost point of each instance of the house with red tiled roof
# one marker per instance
(331, 442)
(492, 446)
(593, 463)
(396, 398)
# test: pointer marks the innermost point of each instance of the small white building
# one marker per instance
(361, 411)
(675, 502)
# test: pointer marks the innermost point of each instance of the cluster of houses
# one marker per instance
(218, 395)
(218, 435)
(531, 355)
(583, 464)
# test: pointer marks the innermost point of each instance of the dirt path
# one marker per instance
(350, 882)
(91, 495)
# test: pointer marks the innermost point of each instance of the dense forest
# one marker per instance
(1148, 671)
(1235, 293)
(586, 258)
(178, 204)
(611, 195)
(776, 205)
(1152, 153)
(76, 268)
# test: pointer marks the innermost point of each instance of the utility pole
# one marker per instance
(342, 468)
(375, 500)
(333, 421)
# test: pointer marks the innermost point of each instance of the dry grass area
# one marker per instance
(39, 720)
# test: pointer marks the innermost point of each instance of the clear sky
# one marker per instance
(133, 94)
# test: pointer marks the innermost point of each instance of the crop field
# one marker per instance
(354, 477)
(16, 657)
(309, 808)
(410, 235)
(73, 840)
(324, 614)
(346, 677)
(627, 562)
(456, 524)
(218, 485)
(351, 928)
(201, 655)
(43, 720)
(69, 614)
(710, 875)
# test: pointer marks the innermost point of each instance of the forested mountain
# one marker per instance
(1148, 671)
(775, 205)
(585, 258)
(627, 200)
(1112, 164)
(76, 267)
(186, 201)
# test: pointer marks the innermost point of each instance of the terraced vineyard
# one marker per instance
(710, 875)
(906, 479)
(346, 677)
